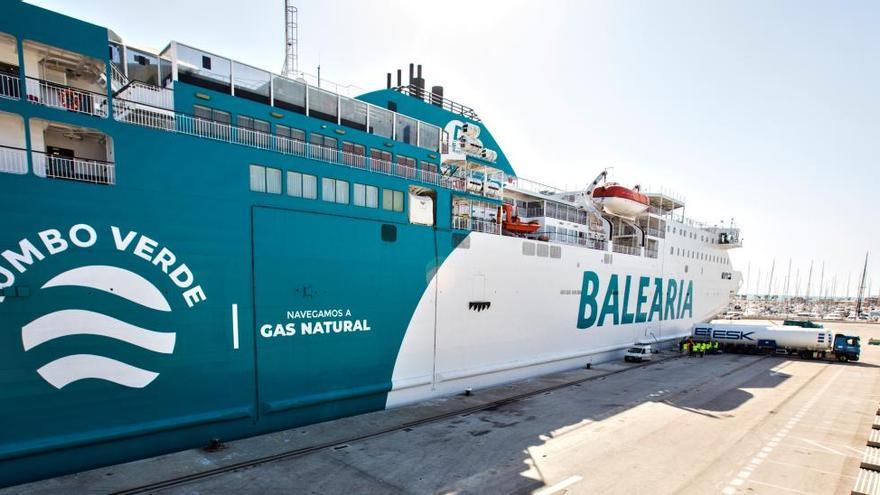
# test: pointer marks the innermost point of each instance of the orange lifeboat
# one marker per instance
(621, 201)
(511, 223)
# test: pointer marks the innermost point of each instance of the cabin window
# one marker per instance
(381, 160)
(321, 140)
(353, 154)
(429, 167)
(290, 140)
(273, 180)
(211, 114)
(206, 62)
(253, 124)
(365, 195)
(392, 200)
(671, 250)
(265, 179)
(334, 191)
(258, 178)
(406, 166)
(326, 147)
(301, 185)
(290, 133)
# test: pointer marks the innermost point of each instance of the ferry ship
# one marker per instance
(194, 248)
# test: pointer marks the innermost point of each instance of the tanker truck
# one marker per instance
(808, 343)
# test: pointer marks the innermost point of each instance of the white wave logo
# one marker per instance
(119, 282)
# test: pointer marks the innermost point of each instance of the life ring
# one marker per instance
(69, 99)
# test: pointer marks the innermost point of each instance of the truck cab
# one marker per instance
(847, 347)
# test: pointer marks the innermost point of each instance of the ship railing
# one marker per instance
(142, 114)
(148, 94)
(46, 93)
(624, 249)
(572, 240)
(532, 186)
(13, 160)
(117, 78)
(10, 86)
(654, 232)
(435, 99)
(78, 169)
(475, 224)
(651, 253)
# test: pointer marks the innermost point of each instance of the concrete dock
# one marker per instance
(720, 424)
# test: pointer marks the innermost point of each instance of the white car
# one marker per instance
(638, 353)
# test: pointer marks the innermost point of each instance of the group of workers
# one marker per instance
(694, 348)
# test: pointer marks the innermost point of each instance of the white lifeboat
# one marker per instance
(621, 201)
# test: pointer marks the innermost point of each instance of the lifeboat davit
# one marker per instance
(512, 223)
(621, 201)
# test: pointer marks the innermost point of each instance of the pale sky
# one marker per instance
(763, 111)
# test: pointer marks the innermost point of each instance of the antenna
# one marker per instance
(291, 47)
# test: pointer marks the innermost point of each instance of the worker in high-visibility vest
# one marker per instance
(702, 349)
(715, 347)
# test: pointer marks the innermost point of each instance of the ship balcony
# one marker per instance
(13, 156)
(69, 98)
(63, 151)
(10, 73)
(726, 237)
(78, 169)
(65, 80)
(10, 85)
(13, 160)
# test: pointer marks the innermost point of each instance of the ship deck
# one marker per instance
(720, 424)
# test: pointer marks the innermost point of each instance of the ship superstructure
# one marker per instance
(196, 248)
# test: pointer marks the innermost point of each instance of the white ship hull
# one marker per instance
(531, 324)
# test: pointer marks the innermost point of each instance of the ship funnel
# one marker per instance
(388, 81)
(411, 66)
(437, 95)
(399, 75)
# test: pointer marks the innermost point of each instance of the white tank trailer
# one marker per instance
(808, 343)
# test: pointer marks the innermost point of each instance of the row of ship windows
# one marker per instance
(299, 185)
(677, 251)
(262, 126)
(691, 235)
